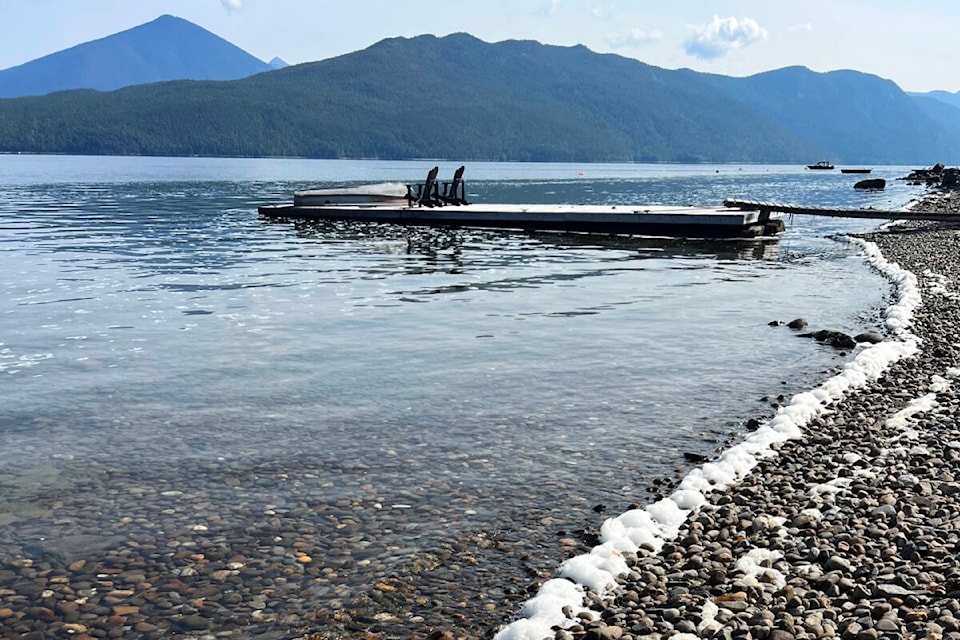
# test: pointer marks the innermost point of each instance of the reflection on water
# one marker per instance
(446, 244)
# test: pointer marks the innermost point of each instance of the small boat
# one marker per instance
(854, 170)
(822, 165)
(432, 203)
(382, 193)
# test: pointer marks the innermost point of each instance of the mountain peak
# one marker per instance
(166, 48)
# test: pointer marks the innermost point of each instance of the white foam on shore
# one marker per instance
(923, 404)
(658, 522)
(938, 384)
(753, 567)
(708, 617)
(837, 485)
(939, 284)
(813, 513)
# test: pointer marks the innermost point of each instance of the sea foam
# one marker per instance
(660, 521)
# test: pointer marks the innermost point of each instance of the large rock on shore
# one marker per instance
(937, 176)
(950, 179)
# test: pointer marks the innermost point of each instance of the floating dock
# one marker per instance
(444, 204)
(433, 203)
(663, 221)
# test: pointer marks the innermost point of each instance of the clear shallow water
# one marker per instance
(153, 329)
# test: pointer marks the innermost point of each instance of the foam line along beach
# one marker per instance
(847, 526)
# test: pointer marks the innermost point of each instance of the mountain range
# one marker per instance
(461, 98)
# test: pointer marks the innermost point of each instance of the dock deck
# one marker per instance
(666, 221)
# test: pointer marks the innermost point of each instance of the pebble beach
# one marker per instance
(850, 530)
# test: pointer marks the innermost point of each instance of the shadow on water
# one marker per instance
(433, 243)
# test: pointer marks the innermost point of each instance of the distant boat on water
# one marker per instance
(822, 165)
(855, 170)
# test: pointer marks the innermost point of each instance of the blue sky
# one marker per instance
(912, 43)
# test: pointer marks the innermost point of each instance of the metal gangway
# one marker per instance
(765, 208)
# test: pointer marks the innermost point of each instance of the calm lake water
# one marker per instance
(171, 364)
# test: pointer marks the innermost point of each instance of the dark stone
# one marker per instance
(40, 613)
(872, 183)
(194, 623)
(886, 625)
(842, 341)
(603, 633)
(950, 179)
(798, 323)
(870, 336)
(832, 338)
(837, 563)
(892, 590)
(685, 626)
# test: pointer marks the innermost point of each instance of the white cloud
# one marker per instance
(806, 26)
(549, 8)
(716, 39)
(632, 38)
(232, 5)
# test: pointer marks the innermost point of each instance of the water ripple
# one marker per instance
(162, 334)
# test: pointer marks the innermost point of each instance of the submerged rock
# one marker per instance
(836, 339)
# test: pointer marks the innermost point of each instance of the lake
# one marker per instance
(347, 428)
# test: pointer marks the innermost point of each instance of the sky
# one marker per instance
(913, 43)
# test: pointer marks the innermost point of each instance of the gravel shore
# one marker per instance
(850, 531)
